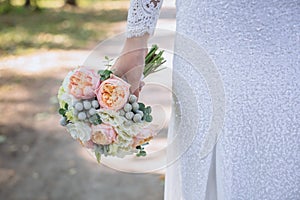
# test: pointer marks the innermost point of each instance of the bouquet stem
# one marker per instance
(153, 61)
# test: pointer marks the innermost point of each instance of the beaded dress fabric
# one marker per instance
(255, 46)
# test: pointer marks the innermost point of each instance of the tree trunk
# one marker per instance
(32, 4)
(27, 3)
(71, 2)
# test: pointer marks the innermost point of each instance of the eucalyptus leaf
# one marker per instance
(148, 110)
(138, 147)
(98, 156)
(104, 74)
(142, 106)
(62, 111)
(148, 118)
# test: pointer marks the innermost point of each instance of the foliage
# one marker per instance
(153, 61)
(25, 30)
(104, 74)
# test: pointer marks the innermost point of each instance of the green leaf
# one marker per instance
(62, 111)
(104, 74)
(99, 121)
(148, 110)
(100, 71)
(151, 53)
(95, 119)
(143, 153)
(98, 156)
(66, 106)
(148, 118)
(107, 72)
(145, 144)
(142, 106)
(153, 61)
(138, 147)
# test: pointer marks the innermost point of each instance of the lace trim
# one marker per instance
(142, 17)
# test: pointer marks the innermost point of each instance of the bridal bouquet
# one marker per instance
(98, 110)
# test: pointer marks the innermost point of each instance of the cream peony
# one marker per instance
(83, 82)
(113, 93)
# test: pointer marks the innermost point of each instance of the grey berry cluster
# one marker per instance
(86, 109)
(134, 111)
(131, 110)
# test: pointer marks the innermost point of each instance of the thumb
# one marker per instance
(135, 86)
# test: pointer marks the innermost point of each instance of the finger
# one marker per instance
(135, 86)
(134, 77)
(142, 84)
(136, 93)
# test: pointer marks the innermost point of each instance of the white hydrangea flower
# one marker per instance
(113, 149)
(133, 129)
(66, 81)
(63, 94)
(111, 117)
(80, 130)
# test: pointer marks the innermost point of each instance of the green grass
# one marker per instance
(24, 30)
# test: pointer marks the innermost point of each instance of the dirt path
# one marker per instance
(40, 161)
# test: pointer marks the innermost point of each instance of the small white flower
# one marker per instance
(80, 130)
(111, 117)
(66, 81)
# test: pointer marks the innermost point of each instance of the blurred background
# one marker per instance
(40, 41)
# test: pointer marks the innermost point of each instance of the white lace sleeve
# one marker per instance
(142, 17)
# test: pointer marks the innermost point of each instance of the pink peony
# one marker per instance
(103, 134)
(113, 93)
(83, 83)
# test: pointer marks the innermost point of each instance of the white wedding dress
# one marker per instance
(255, 48)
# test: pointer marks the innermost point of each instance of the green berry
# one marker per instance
(81, 116)
(148, 110)
(93, 118)
(139, 112)
(87, 105)
(148, 118)
(78, 106)
(137, 118)
(135, 106)
(129, 115)
(95, 104)
(132, 98)
(127, 107)
(92, 111)
(74, 103)
(63, 121)
(75, 112)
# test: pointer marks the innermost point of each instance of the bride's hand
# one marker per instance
(130, 64)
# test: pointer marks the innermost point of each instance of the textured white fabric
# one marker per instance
(255, 45)
(142, 17)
